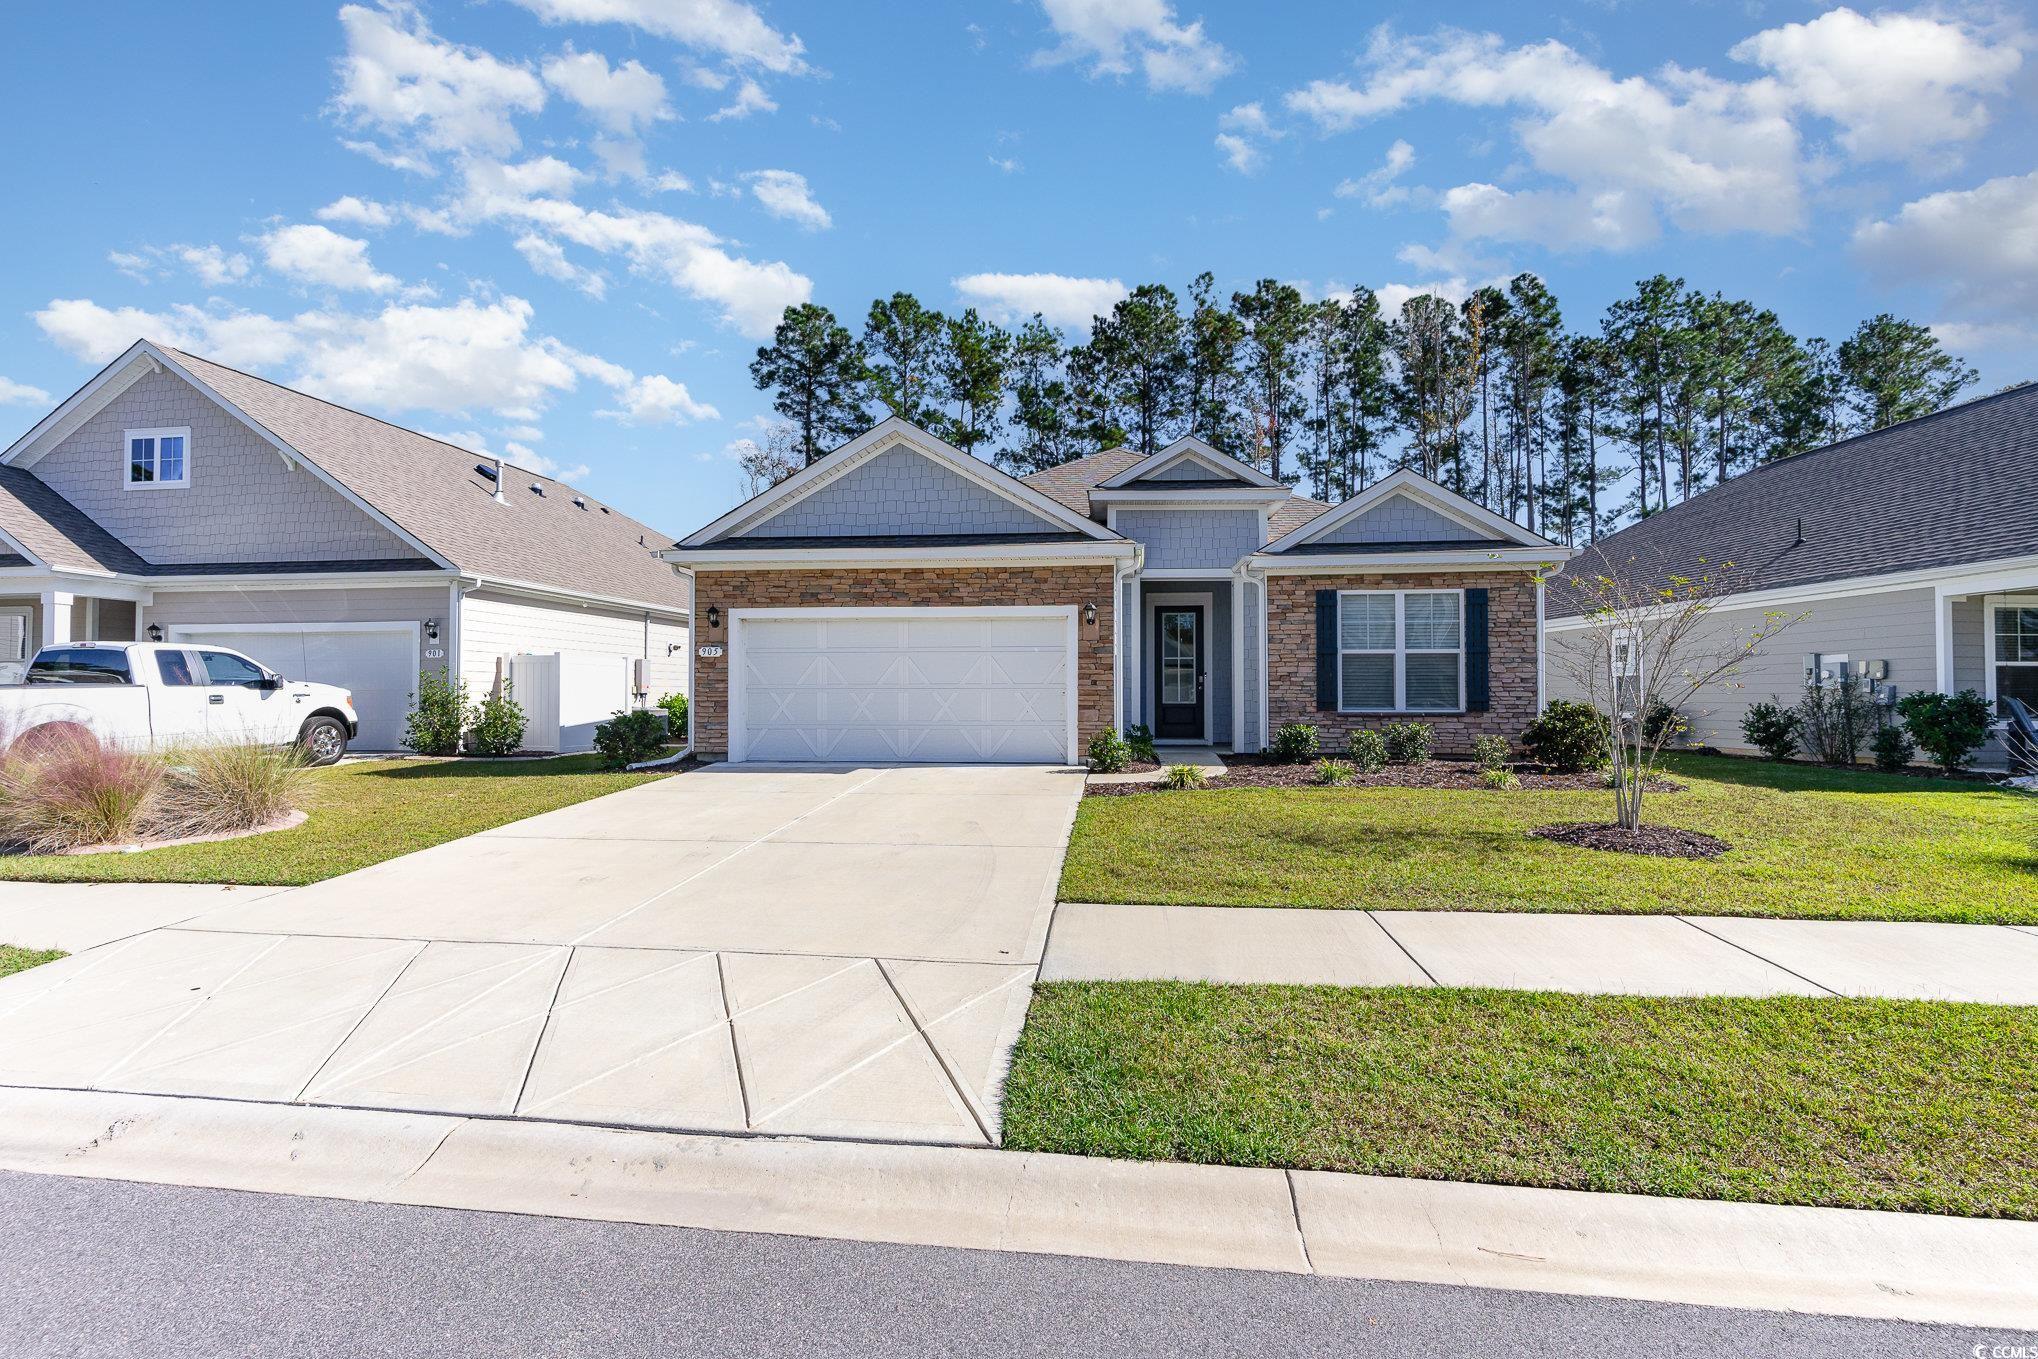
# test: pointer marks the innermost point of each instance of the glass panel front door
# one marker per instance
(1178, 677)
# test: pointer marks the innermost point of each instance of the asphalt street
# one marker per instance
(90, 1267)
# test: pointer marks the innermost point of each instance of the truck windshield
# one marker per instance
(79, 665)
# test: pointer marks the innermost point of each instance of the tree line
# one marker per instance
(1570, 433)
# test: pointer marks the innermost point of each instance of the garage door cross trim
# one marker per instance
(903, 677)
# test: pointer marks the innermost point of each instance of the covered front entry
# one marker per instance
(1184, 691)
(919, 684)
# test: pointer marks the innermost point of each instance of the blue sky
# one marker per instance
(559, 228)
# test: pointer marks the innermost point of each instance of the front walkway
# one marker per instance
(1636, 955)
(818, 951)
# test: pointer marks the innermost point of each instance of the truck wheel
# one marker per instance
(56, 739)
(323, 741)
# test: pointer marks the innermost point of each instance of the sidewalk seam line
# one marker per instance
(940, 1058)
(355, 1027)
(1295, 1207)
(551, 1010)
(735, 1052)
(1374, 916)
(1771, 962)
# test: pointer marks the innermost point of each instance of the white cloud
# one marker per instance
(1896, 84)
(1377, 186)
(1709, 155)
(1454, 289)
(1240, 133)
(1114, 35)
(658, 400)
(727, 28)
(400, 80)
(1007, 165)
(96, 334)
(529, 196)
(549, 258)
(750, 98)
(14, 393)
(1062, 300)
(785, 194)
(319, 255)
(356, 211)
(209, 264)
(514, 453)
(625, 100)
(1979, 244)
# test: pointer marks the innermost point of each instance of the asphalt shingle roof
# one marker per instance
(1958, 486)
(1072, 482)
(432, 490)
(57, 531)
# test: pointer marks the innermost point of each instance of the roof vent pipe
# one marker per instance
(500, 498)
(1800, 533)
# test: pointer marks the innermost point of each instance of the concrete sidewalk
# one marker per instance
(1834, 1261)
(1657, 955)
(75, 916)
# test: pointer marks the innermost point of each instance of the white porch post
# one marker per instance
(1942, 635)
(56, 617)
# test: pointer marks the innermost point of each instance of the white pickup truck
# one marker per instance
(160, 696)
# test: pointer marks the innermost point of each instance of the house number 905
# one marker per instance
(708, 653)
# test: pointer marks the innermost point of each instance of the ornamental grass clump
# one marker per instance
(1332, 773)
(66, 790)
(1182, 776)
(220, 789)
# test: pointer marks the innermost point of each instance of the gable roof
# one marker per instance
(1057, 520)
(54, 532)
(1939, 491)
(1493, 530)
(1222, 470)
(428, 491)
(1070, 482)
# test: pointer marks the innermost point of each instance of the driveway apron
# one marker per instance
(826, 951)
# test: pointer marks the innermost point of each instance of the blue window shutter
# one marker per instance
(1478, 684)
(1326, 650)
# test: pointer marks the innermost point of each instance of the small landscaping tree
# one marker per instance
(1835, 716)
(441, 715)
(1771, 729)
(1648, 641)
(1948, 727)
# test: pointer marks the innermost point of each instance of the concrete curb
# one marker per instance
(1832, 1261)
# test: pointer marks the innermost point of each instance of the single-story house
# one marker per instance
(1910, 554)
(174, 498)
(899, 599)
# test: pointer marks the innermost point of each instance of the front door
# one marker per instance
(1178, 672)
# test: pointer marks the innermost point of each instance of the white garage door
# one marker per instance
(379, 663)
(903, 684)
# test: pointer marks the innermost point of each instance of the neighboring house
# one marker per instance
(1912, 551)
(901, 600)
(174, 497)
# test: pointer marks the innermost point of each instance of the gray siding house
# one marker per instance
(1913, 549)
(177, 499)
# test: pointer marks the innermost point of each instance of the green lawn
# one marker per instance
(14, 959)
(1906, 1105)
(361, 814)
(1807, 842)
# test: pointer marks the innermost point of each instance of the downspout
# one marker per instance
(1541, 589)
(1246, 571)
(1124, 573)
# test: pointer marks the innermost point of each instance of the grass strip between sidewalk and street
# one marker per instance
(1804, 842)
(14, 959)
(361, 814)
(1906, 1105)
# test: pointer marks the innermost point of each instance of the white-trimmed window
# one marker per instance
(1401, 651)
(158, 459)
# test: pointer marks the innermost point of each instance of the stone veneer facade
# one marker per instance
(880, 587)
(1510, 645)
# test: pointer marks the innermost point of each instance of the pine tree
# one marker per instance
(971, 367)
(1436, 385)
(1896, 370)
(815, 372)
(1141, 344)
(1529, 337)
(1276, 329)
(904, 342)
(1215, 338)
(1349, 394)
(1045, 436)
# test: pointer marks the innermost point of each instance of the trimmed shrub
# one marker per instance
(1663, 726)
(1182, 776)
(1894, 749)
(1140, 738)
(1490, 752)
(1294, 743)
(68, 790)
(214, 790)
(1109, 752)
(1407, 742)
(675, 715)
(1771, 729)
(1948, 727)
(629, 738)
(1498, 778)
(498, 725)
(1331, 773)
(1566, 736)
(435, 725)
(1834, 719)
(1367, 749)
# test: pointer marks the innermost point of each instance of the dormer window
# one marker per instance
(158, 459)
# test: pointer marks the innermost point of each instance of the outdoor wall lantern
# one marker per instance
(431, 629)
(1089, 615)
(155, 632)
(714, 617)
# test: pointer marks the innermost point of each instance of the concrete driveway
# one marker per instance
(824, 951)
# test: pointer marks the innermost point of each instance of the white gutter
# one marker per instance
(524, 587)
(1493, 559)
(807, 558)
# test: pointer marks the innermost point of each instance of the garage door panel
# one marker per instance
(990, 687)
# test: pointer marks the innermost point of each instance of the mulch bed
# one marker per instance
(1258, 771)
(1665, 842)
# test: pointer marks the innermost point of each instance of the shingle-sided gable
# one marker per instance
(1401, 519)
(899, 492)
